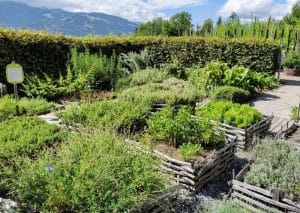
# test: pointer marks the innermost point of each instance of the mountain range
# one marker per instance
(22, 16)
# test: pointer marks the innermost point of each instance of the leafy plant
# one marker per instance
(175, 69)
(292, 60)
(229, 93)
(233, 114)
(88, 173)
(180, 128)
(276, 166)
(189, 150)
(135, 62)
(122, 116)
(295, 113)
(23, 137)
(31, 106)
(139, 78)
(171, 91)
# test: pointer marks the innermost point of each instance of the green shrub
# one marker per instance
(189, 150)
(23, 137)
(122, 116)
(149, 75)
(135, 62)
(276, 166)
(233, 114)
(175, 69)
(171, 91)
(8, 106)
(89, 173)
(295, 113)
(40, 53)
(229, 93)
(292, 60)
(179, 128)
(227, 207)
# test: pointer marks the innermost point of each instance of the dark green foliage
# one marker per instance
(43, 53)
(229, 93)
(20, 138)
(171, 91)
(179, 128)
(292, 60)
(236, 115)
(276, 166)
(122, 116)
(88, 173)
(134, 62)
(174, 68)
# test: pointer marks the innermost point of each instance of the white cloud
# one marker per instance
(135, 10)
(260, 8)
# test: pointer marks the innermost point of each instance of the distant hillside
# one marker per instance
(18, 15)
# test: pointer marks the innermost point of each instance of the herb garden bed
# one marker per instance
(245, 136)
(253, 197)
(196, 174)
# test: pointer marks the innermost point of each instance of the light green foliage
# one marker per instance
(233, 114)
(100, 71)
(295, 113)
(8, 106)
(171, 91)
(23, 137)
(189, 150)
(180, 128)
(292, 60)
(227, 207)
(120, 115)
(89, 173)
(135, 62)
(277, 165)
(149, 75)
(229, 93)
(219, 74)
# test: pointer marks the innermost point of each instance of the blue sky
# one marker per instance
(145, 10)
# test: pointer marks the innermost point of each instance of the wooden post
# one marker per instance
(289, 41)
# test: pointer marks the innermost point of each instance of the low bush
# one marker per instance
(175, 69)
(234, 114)
(122, 116)
(228, 207)
(23, 137)
(219, 74)
(134, 62)
(229, 93)
(189, 150)
(276, 166)
(141, 78)
(88, 173)
(180, 128)
(171, 91)
(292, 60)
(8, 106)
(295, 113)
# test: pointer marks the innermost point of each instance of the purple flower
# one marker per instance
(49, 168)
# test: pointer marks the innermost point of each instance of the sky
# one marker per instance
(145, 10)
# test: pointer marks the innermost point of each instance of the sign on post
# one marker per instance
(14, 75)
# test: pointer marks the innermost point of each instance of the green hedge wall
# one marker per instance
(40, 52)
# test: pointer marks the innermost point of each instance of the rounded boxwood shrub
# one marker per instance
(229, 93)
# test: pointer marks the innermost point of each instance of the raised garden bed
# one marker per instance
(253, 197)
(194, 175)
(245, 136)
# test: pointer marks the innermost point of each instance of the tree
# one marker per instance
(220, 21)
(207, 27)
(294, 17)
(181, 24)
(234, 17)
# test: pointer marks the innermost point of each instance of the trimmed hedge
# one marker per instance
(41, 52)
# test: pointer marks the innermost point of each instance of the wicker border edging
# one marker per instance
(245, 136)
(253, 198)
(195, 175)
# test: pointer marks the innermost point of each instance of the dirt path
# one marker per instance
(279, 101)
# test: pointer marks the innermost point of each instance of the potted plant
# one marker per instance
(292, 63)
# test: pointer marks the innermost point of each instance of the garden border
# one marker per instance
(246, 135)
(253, 197)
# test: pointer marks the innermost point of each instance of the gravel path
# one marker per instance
(279, 101)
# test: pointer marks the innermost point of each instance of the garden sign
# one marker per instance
(14, 75)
